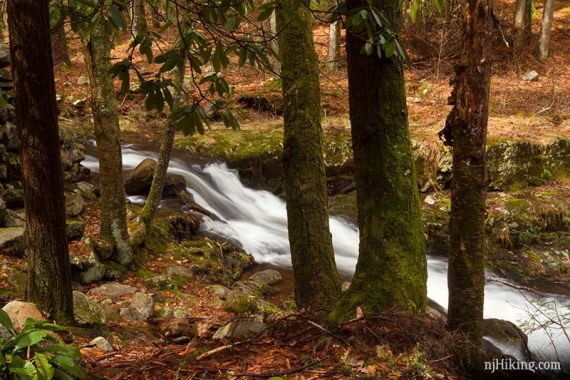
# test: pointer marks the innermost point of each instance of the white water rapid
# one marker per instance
(257, 221)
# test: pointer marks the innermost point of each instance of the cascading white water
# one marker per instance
(257, 220)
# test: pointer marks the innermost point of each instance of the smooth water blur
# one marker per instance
(257, 221)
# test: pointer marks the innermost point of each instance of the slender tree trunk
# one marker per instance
(317, 285)
(113, 233)
(59, 45)
(466, 131)
(274, 42)
(3, 7)
(522, 23)
(333, 56)
(547, 16)
(159, 178)
(138, 17)
(49, 276)
(391, 269)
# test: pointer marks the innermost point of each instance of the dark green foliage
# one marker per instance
(34, 353)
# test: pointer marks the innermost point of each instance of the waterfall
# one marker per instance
(257, 221)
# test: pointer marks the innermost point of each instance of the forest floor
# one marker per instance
(391, 345)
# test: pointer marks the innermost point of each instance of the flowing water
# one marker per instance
(257, 221)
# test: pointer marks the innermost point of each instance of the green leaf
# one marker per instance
(69, 366)
(29, 339)
(368, 47)
(440, 4)
(6, 322)
(117, 17)
(266, 11)
(45, 369)
(389, 47)
(415, 10)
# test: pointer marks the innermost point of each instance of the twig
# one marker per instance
(284, 373)
(511, 285)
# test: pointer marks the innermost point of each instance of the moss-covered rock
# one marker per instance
(515, 164)
(240, 303)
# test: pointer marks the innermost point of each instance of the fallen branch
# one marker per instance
(284, 373)
(512, 285)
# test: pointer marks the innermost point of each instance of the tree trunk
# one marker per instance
(159, 178)
(59, 45)
(317, 285)
(466, 130)
(49, 276)
(113, 233)
(544, 41)
(138, 17)
(391, 269)
(333, 57)
(522, 23)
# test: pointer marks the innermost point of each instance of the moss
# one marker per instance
(158, 236)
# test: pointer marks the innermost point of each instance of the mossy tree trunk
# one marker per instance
(49, 276)
(391, 269)
(317, 284)
(113, 231)
(138, 17)
(522, 23)
(159, 178)
(466, 127)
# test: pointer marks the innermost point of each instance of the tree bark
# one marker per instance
(59, 45)
(522, 23)
(391, 269)
(159, 178)
(274, 44)
(544, 41)
(333, 56)
(138, 17)
(317, 285)
(113, 232)
(466, 131)
(49, 276)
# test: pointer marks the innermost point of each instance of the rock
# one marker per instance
(113, 290)
(173, 184)
(79, 103)
(159, 282)
(102, 344)
(183, 226)
(507, 337)
(531, 76)
(240, 329)
(143, 304)
(111, 312)
(92, 274)
(130, 314)
(87, 312)
(345, 286)
(240, 303)
(219, 290)
(138, 181)
(165, 312)
(4, 55)
(85, 187)
(74, 229)
(179, 274)
(9, 137)
(14, 219)
(513, 165)
(268, 276)
(19, 280)
(176, 327)
(12, 241)
(557, 158)
(19, 312)
(253, 288)
(82, 80)
(74, 204)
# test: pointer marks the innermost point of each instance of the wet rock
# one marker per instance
(507, 337)
(240, 329)
(12, 241)
(74, 204)
(268, 276)
(113, 290)
(19, 312)
(87, 312)
(253, 288)
(183, 226)
(530, 76)
(240, 303)
(138, 181)
(102, 344)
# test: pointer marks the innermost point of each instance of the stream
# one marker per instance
(257, 222)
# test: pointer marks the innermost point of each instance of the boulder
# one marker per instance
(19, 312)
(14, 219)
(74, 229)
(173, 184)
(240, 329)
(507, 337)
(138, 181)
(102, 344)
(183, 226)
(268, 276)
(253, 288)
(160, 282)
(143, 304)
(179, 274)
(87, 312)
(12, 242)
(74, 203)
(239, 302)
(113, 290)
(219, 290)
(530, 76)
(513, 165)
